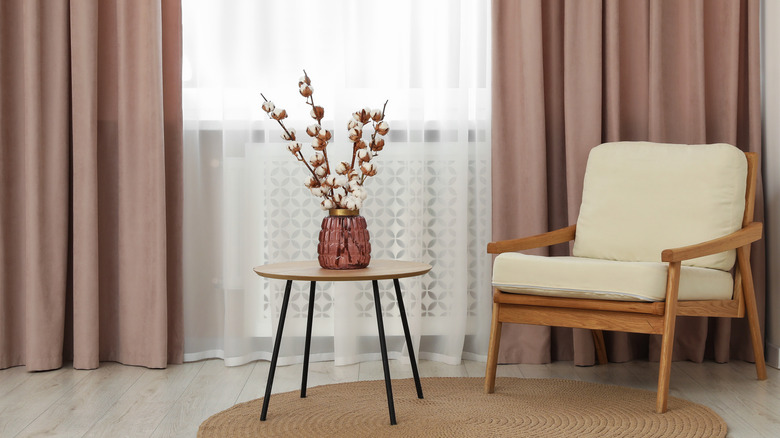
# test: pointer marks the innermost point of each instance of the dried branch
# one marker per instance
(289, 135)
(310, 101)
(352, 195)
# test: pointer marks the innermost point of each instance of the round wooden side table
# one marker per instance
(312, 272)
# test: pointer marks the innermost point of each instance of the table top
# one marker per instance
(311, 271)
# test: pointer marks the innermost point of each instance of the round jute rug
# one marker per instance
(457, 407)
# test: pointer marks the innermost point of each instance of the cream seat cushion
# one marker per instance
(577, 277)
(640, 198)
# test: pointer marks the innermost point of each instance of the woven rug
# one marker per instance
(457, 407)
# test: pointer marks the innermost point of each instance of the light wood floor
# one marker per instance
(117, 400)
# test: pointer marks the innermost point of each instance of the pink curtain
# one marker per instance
(90, 202)
(569, 75)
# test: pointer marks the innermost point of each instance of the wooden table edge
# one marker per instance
(313, 272)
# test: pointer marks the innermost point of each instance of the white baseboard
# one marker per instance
(772, 355)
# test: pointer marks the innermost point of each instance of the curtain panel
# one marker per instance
(90, 200)
(569, 75)
(245, 203)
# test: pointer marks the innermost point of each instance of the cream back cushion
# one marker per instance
(641, 198)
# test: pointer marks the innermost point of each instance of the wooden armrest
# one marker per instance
(745, 236)
(538, 241)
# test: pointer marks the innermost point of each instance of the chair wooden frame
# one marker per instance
(637, 317)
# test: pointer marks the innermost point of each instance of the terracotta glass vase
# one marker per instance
(344, 240)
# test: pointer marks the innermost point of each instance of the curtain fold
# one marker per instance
(91, 200)
(569, 75)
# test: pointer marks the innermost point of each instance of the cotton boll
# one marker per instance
(294, 147)
(318, 145)
(289, 134)
(317, 112)
(268, 106)
(342, 168)
(279, 114)
(317, 159)
(368, 169)
(327, 204)
(355, 133)
(377, 144)
(306, 90)
(365, 115)
(361, 193)
(333, 181)
(321, 171)
(316, 191)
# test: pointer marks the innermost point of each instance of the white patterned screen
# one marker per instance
(429, 202)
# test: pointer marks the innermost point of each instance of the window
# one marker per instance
(245, 203)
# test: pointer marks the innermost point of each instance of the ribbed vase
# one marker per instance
(344, 240)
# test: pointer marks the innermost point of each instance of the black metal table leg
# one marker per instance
(383, 346)
(275, 354)
(409, 345)
(307, 348)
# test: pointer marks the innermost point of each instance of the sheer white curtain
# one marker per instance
(245, 203)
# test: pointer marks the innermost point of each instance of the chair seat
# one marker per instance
(579, 277)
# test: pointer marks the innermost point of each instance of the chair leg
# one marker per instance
(601, 348)
(492, 359)
(752, 311)
(667, 342)
(665, 370)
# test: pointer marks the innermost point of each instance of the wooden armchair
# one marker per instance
(655, 239)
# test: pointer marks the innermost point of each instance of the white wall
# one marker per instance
(771, 160)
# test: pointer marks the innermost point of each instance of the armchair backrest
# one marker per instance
(640, 198)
